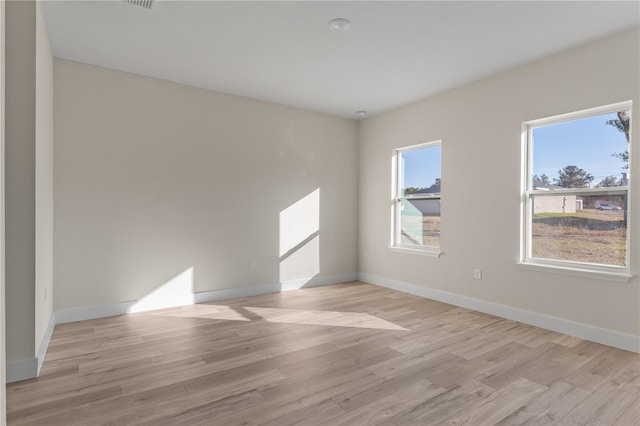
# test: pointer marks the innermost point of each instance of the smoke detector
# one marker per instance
(340, 25)
(140, 3)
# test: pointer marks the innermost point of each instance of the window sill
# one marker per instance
(430, 251)
(621, 277)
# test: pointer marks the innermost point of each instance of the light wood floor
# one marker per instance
(346, 354)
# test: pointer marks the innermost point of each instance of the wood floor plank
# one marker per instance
(631, 416)
(443, 405)
(498, 405)
(474, 368)
(202, 414)
(51, 406)
(349, 354)
(594, 373)
(24, 395)
(527, 362)
(608, 402)
(396, 381)
(408, 362)
(313, 415)
(98, 409)
(344, 361)
(312, 393)
(297, 388)
(391, 405)
(548, 407)
(188, 409)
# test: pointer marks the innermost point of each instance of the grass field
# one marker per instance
(591, 236)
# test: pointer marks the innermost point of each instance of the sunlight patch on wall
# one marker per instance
(328, 318)
(299, 247)
(303, 262)
(175, 292)
(299, 221)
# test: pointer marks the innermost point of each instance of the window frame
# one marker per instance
(397, 198)
(528, 193)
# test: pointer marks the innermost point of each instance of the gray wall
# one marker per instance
(28, 183)
(3, 358)
(154, 180)
(20, 102)
(480, 127)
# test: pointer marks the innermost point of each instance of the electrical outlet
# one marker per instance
(477, 274)
(252, 264)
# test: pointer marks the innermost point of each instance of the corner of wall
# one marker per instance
(43, 179)
(44, 343)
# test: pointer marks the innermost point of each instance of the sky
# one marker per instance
(587, 143)
(422, 166)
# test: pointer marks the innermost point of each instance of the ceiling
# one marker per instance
(284, 52)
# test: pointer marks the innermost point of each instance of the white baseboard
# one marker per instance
(613, 338)
(22, 370)
(92, 312)
(44, 343)
(29, 368)
(101, 311)
(235, 293)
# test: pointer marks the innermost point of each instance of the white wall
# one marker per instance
(480, 126)
(44, 181)
(153, 178)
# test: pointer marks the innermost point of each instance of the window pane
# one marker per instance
(420, 222)
(420, 171)
(588, 152)
(578, 228)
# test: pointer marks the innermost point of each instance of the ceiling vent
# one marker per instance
(140, 3)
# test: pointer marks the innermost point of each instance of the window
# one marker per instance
(576, 191)
(416, 205)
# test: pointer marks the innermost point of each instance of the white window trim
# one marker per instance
(540, 265)
(581, 269)
(429, 251)
(396, 188)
